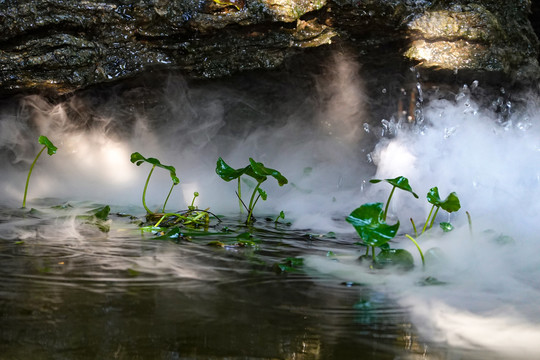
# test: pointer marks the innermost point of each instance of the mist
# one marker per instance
(315, 136)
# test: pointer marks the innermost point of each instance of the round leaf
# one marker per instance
(433, 196)
(51, 149)
(451, 203)
(400, 182)
(138, 159)
(226, 172)
(399, 258)
(367, 220)
(261, 170)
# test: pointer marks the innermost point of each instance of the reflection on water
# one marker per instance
(123, 295)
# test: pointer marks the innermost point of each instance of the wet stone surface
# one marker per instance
(69, 45)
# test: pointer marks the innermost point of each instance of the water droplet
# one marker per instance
(366, 127)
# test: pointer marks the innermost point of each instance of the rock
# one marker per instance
(65, 45)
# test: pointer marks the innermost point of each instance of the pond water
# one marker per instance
(70, 291)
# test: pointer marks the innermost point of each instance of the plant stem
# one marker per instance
(427, 220)
(373, 253)
(28, 178)
(434, 216)
(470, 223)
(414, 227)
(418, 247)
(239, 193)
(144, 191)
(388, 203)
(168, 215)
(167, 199)
(251, 204)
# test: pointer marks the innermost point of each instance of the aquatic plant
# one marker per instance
(450, 204)
(138, 159)
(371, 227)
(400, 182)
(255, 170)
(51, 150)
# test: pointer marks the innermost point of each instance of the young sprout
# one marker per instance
(138, 159)
(450, 204)
(257, 171)
(51, 149)
(401, 183)
(280, 216)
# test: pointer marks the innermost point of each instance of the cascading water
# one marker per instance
(141, 291)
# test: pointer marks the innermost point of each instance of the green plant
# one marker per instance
(401, 183)
(138, 159)
(371, 227)
(255, 170)
(450, 204)
(51, 150)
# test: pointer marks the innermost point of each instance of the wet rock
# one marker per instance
(65, 45)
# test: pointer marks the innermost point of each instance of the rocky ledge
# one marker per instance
(65, 45)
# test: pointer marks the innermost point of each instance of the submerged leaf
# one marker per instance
(51, 149)
(102, 213)
(367, 220)
(398, 258)
(400, 182)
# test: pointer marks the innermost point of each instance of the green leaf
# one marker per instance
(138, 159)
(262, 171)
(400, 182)
(103, 212)
(263, 194)
(367, 220)
(450, 204)
(399, 258)
(446, 226)
(433, 196)
(51, 149)
(226, 172)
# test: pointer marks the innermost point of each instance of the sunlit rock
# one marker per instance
(65, 45)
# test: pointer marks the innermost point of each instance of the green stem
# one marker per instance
(434, 216)
(168, 215)
(144, 191)
(414, 227)
(418, 247)
(167, 199)
(470, 223)
(367, 250)
(240, 196)
(388, 203)
(251, 204)
(427, 220)
(373, 253)
(28, 178)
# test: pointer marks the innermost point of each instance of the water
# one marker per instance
(69, 291)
